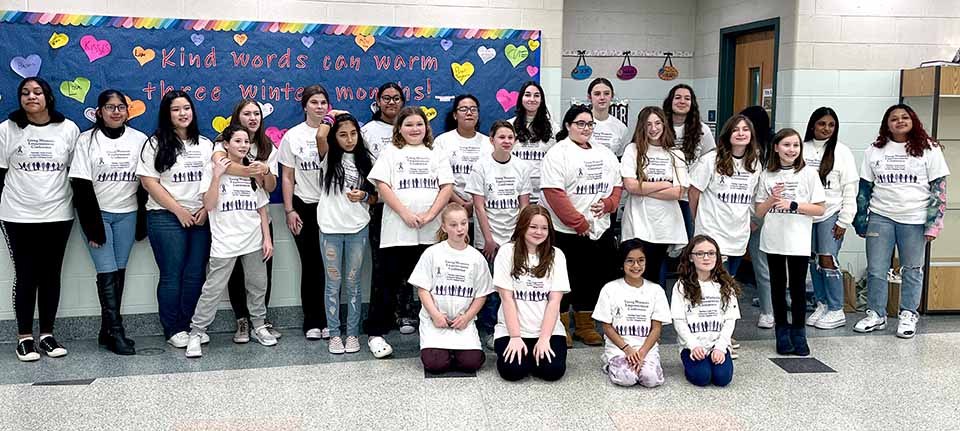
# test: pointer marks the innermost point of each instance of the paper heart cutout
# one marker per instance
(462, 72)
(58, 40)
(486, 54)
(265, 109)
(219, 123)
(507, 99)
(533, 44)
(446, 44)
(516, 54)
(135, 108)
(240, 39)
(365, 42)
(532, 71)
(90, 114)
(94, 48)
(431, 113)
(76, 89)
(197, 38)
(26, 67)
(143, 56)
(307, 41)
(275, 134)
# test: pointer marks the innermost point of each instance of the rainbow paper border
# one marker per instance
(64, 19)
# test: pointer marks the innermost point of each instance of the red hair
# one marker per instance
(918, 140)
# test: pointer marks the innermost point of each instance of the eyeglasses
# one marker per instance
(115, 108)
(470, 109)
(704, 254)
(632, 262)
(584, 124)
(391, 99)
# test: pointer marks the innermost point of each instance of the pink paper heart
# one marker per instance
(532, 70)
(94, 48)
(275, 134)
(507, 99)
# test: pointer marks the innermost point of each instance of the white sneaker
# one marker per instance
(832, 320)
(315, 333)
(907, 327)
(379, 347)
(871, 323)
(193, 346)
(325, 334)
(179, 340)
(264, 337)
(766, 321)
(204, 338)
(276, 334)
(353, 345)
(336, 346)
(817, 314)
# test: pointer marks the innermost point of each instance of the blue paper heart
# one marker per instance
(307, 41)
(26, 67)
(197, 38)
(446, 44)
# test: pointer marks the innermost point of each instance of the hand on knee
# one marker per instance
(621, 373)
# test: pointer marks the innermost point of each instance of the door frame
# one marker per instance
(728, 58)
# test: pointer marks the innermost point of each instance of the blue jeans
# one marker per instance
(343, 254)
(882, 235)
(687, 218)
(181, 256)
(114, 253)
(761, 269)
(705, 372)
(732, 264)
(827, 282)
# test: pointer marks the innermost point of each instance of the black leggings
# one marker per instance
(590, 265)
(312, 275)
(796, 267)
(656, 255)
(237, 289)
(547, 370)
(36, 250)
(394, 297)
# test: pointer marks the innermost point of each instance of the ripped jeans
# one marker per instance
(342, 260)
(827, 282)
(882, 235)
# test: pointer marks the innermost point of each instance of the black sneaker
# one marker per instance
(51, 347)
(27, 351)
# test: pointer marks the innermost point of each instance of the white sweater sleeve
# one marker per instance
(848, 207)
(723, 342)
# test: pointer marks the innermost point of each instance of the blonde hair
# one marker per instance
(450, 208)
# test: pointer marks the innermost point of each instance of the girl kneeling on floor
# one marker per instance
(705, 312)
(240, 229)
(453, 281)
(632, 312)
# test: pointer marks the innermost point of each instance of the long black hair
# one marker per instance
(169, 145)
(450, 123)
(20, 115)
(102, 100)
(333, 178)
(377, 115)
(539, 130)
(826, 164)
(569, 117)
(692, 130)
(761, 127)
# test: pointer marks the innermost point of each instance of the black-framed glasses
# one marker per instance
(584, 124)
(704, 254)
(115, 108)
(391, 99)
(470, 109)
(632, 262)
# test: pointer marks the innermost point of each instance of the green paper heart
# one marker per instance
(516, 54)
(76, 89)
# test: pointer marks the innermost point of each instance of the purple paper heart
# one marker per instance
(197, 38)
(26, 67)
(307, 41)
(446, 44)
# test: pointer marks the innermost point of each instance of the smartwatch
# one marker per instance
(794, 206)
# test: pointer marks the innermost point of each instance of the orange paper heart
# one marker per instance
(365, 42)
(142, 55)
(135, 108)
(240, 39)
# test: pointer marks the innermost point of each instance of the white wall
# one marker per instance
(79, 292)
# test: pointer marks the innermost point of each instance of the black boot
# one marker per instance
(121, 280)
(798, 336)
(784, 344)
(110, 312)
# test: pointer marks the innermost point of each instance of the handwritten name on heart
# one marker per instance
(90, 114)
(58, 40)
(26, 67)
(486, 54)
(94, 48)
(365, 42)
(197, 38)
(507, 99)
(275, 134)
(240, 39)
(516, 54)
(135, 108)
(76, 89)
(462, 72)
(142, 55)
(219, 123)
(431, 113)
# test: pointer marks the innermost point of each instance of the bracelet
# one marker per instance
(624, 348)
(365, 196)
(328, 120)
(289, 211)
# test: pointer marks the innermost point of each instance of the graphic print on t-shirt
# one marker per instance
(790, 192)
(735, 189)
(236, 194)
(39, 156)
(591, 178)
(633, 318)
(309, 160)
(895, 169)
(532, 290)
(659, 169)
(116, 167)
(414, 173)
(708, 316)
(451, 279)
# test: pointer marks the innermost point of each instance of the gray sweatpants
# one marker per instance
(218, 274)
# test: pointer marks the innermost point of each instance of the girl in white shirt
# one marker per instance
(453, 280)
(104, 178)
(530, 275)
(838, 174)
(609, 131)
(705, 312)
(171, 167)
(36, 148)
(415, 182)
(535, 132)
(693, 137)
(463, 145)
(789, 196)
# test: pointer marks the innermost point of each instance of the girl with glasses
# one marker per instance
(463, 146)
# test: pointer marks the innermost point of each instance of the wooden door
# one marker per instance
(753, 71)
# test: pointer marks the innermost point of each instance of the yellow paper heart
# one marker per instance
(365, 42)
(142, 55)
(533, 44)
(462, 72)
(240, 39)
(58, 40)
(220, 123)
(430, 112)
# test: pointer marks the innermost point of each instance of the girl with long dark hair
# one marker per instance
(535, 132)
(463, 146)
(693, 137)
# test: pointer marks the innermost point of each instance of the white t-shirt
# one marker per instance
(586, 175)
(844, 172)
(612, 133)
(37, 159)
(704, 322)
(706, 144)
(501, 185)
(454, 278)
(336, 214)
(271, 162)
(788, 232)
(901, 190)
(377, 135)
(235, 223)
(533, 153)
(298, 151)
(650, 219)
(111, 165)
(182, 180)
(415, 173)
(726, 202)
(463, 153)
(631, 311)
(530, 293)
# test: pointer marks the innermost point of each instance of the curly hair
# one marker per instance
(918, 140)
(729, 288)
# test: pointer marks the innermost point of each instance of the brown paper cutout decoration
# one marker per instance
(668, 72)
(626, 71)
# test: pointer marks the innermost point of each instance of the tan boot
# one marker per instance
(565, 321)
(585, 329)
